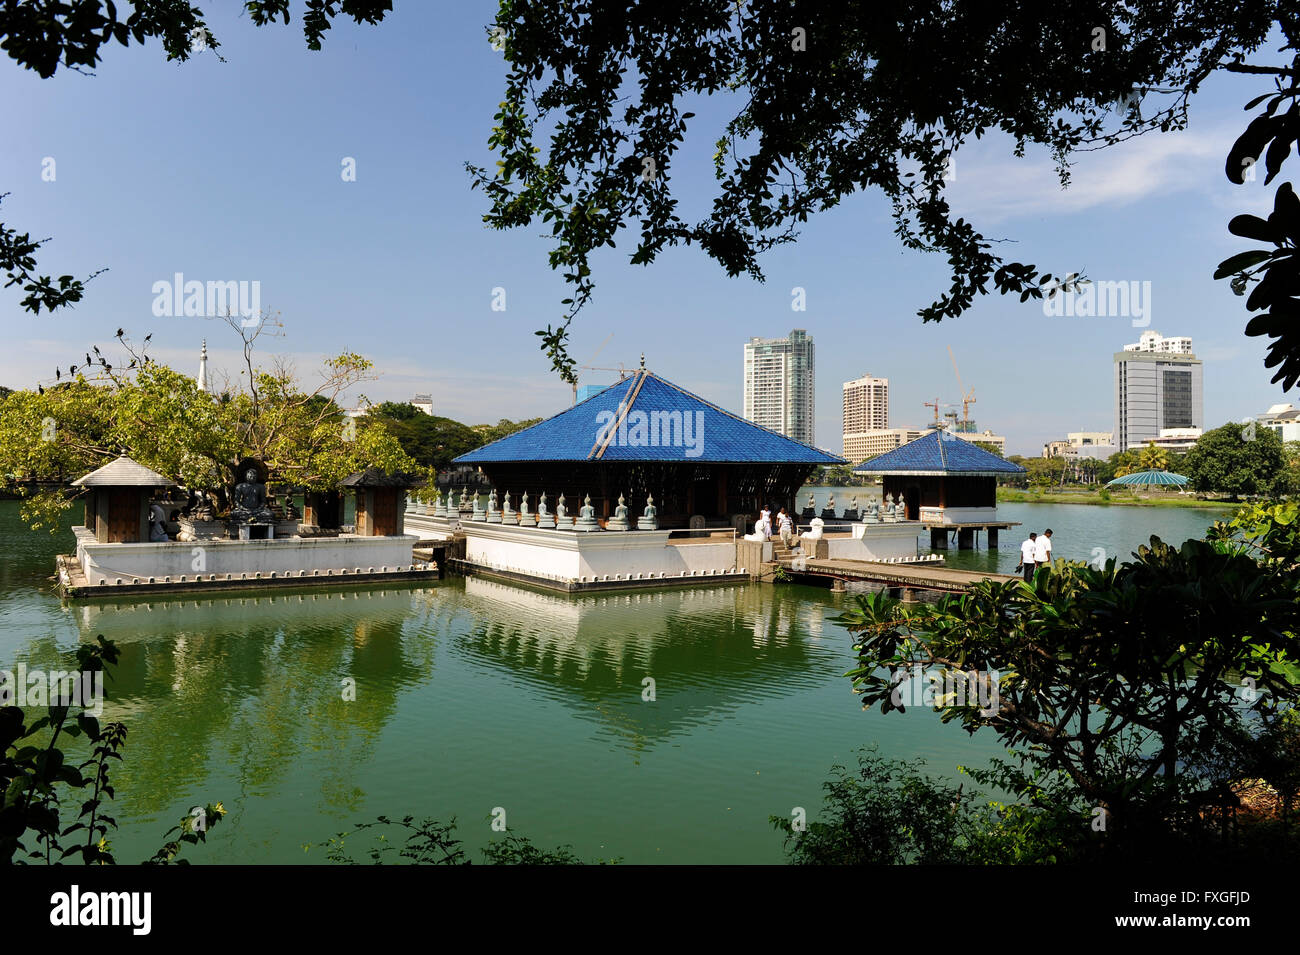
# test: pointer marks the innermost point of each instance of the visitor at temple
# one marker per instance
(1043, 549)
(1028, 550)
(157, 523)
(785, 526)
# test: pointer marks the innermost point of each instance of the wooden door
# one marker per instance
(384, 520)
(123, 515)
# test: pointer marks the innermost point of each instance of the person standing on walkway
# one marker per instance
(785, 526)
(1028, 550)
(1043, 549)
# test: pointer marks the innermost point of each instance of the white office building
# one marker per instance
(779, 384)
(1157, 387)
(866, 408)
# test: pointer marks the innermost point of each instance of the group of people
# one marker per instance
(784, 524)
(1035, 552)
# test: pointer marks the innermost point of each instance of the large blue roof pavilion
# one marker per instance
(646, 436)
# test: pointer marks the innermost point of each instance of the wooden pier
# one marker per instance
(905, 577)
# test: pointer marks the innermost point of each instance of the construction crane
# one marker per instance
(593, 367)
(968, 398)
(936, 406)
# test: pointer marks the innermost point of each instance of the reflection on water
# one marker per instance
(472, 694)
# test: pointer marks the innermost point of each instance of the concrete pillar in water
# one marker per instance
(938, 538)
(993, 538)
(965, 538)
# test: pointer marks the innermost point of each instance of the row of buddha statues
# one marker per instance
(886, 512)
(503, 512)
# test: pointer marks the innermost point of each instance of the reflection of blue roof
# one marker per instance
(939, 453)
(645, 418)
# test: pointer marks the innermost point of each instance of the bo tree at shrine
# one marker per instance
(165, 421)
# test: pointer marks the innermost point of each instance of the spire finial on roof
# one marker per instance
(643, 359)
(202, 379)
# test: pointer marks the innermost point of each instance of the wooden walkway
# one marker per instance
(905, 576)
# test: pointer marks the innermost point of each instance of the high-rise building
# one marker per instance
(1157, 386)
(866, 408)
(586, 391)
(779, 384)
(424, 403)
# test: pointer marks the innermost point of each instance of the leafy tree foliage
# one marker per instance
(160, 418)
(38, 783)
(1236, 460)
(1153, 458)
(889, 812)
(431, 842)
(503, 428)
(830, 100)
(431, 441)
(1126, 679)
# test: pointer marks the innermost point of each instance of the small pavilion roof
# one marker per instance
(377, 477)
(939, 454)
(123, 473)
(608, 427)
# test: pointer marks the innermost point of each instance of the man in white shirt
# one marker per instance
(1043, 549)
(1028, 550)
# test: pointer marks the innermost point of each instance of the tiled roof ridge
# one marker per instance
(752, 424)
(546, 419)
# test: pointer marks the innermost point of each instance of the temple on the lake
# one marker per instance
(645, 436)
(947, 484)
(138, 535)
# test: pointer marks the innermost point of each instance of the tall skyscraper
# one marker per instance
(779, 384)
(866, 408)
(1157, 385)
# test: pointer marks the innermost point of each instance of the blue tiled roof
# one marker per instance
(654, 428)
(939, 453)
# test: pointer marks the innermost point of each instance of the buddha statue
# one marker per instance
(587, 517)
(478, 514)
(619, 521)
(508, 513)
(493, 515)
(525, 515)
(561, 512)
(649, 519)
(249, 500)
(544, 516)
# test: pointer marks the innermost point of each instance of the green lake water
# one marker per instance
(473, 695)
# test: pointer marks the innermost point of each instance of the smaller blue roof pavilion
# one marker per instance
(939, 453)
(944, 481)
(646, 436)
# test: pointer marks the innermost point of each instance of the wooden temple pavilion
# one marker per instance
(646, 436)
(117, 505)
(947, 483)
(379, 501)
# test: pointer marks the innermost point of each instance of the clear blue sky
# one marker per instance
(231, 171)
